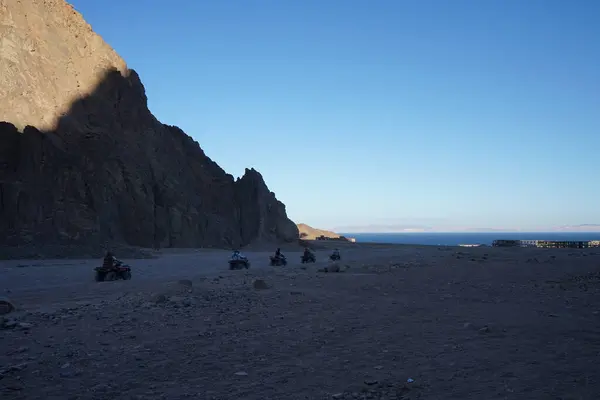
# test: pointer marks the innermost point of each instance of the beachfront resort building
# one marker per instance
(547, 244)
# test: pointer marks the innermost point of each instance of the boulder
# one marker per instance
(6, 306)
(260, 284)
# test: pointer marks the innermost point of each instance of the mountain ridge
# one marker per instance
(83, 160)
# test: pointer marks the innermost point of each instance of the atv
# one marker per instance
(278, 261)
(240, 263)
(117, 271)
(308, 258)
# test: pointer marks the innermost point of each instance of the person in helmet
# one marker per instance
(237, 255)
(109, 260)
(307, 253)
(279, 255)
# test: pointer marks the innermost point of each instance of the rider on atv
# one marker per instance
(109, 260)
(336, 254)
(279, 254)
(237, 255)
(307, 253)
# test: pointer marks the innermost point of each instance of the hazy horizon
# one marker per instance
(549, 230)
(451, 114)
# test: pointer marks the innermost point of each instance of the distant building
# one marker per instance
(529, 243)
(562, 244)
(547, 244)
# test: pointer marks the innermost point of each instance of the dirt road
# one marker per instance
(400, 323)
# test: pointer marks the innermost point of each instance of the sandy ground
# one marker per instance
(401, 322)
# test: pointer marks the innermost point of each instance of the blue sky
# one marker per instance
(452, 114)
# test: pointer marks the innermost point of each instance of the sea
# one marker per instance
(457, 238)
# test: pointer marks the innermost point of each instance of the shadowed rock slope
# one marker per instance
(84, 162)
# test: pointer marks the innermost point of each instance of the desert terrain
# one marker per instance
(400, 322)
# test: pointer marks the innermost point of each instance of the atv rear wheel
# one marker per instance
(110, 276)
(99, 276)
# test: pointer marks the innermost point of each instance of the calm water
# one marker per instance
(456, 238)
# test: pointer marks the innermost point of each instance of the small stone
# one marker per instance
(485, 329)
(24, 325)
(333, 268)
(6, 306)
(9, 324)
(260, 284)
(338, 396)
(68, 374)
(241, 373)
(21, 349)
(14, 368)
(371, 382)
(379, 367)
(185, 282)
(159, 298)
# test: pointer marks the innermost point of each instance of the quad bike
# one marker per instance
(308, 258)
(117, 271)
(278, 261)
(335, 257)
(240, 263)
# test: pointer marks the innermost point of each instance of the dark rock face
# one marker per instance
(108, 171)
(262, 216)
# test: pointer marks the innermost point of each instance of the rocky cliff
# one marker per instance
(83, 161)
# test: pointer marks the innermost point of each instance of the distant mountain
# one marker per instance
(579, 228)
(385, 228)
(310, 233)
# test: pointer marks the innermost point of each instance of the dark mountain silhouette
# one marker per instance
(105, 170)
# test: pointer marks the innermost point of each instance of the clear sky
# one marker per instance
(446, 113)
